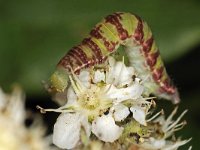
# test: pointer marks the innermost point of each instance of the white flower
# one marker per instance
(70, 125)
(133, 91)
(108, 102)
(167, 127)
(99, 76)
(120, 112)
(14, 134)
(118, 73)
(105, 129)
(139, 114)
(2, 99)
(93, 93)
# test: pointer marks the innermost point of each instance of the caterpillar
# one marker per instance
(104, 39)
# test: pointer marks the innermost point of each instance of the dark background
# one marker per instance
(35, 34)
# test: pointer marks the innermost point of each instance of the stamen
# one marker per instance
(76, 90)
(179, 126)
(179, 143)
(107, 90)
(78, 82)
(43, 111)
(123, 59)
(169, 119)
(143, 101)
(118, 77)
(156, 115)
(179, 118)
(190, 148)
(146, 98)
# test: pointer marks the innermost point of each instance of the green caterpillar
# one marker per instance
(105, 38)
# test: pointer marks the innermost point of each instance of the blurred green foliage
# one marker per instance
(35, 34)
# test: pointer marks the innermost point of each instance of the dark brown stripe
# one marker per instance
(152, 59)
(147, 45)
(167, 87)
(66, 62)
(76, 58)
(114, 19)
(110, 46)
(63, 61)
(157, 73)
(95, 48)
(139, 34)
(80, 54)
(96, 32)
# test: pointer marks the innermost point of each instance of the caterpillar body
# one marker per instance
(104, 39)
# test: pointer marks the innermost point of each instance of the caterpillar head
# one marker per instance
(59, 80)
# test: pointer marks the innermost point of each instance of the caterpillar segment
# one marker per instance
(104, 39)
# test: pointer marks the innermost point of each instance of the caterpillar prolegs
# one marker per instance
(105, 38)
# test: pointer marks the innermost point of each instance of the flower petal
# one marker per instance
(60, 97)
(119, 74)
(125, 74)
(86, 125)
(137, 89)
(71, 96)
(154, 143)
(105, 129)
(66, 131)
(157, 144)
(121, 112)
(139, 114)
(2, 99)
(110, 72)
(133, 91)
(99, 76)
(84, 77)
(16, 104)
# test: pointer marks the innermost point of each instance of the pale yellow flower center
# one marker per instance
(89, 100)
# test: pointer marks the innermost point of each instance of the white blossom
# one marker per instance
(70, 125)
(14, 135)
(120, 112)
(100, 100)
(105, 129)
(2, 99)
(139, 114)
(168, 127)
(94, 92)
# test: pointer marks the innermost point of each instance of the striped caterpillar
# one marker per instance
(105, 38)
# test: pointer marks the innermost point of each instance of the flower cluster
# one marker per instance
(164, 128)
(14, 135)
(106, 103)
